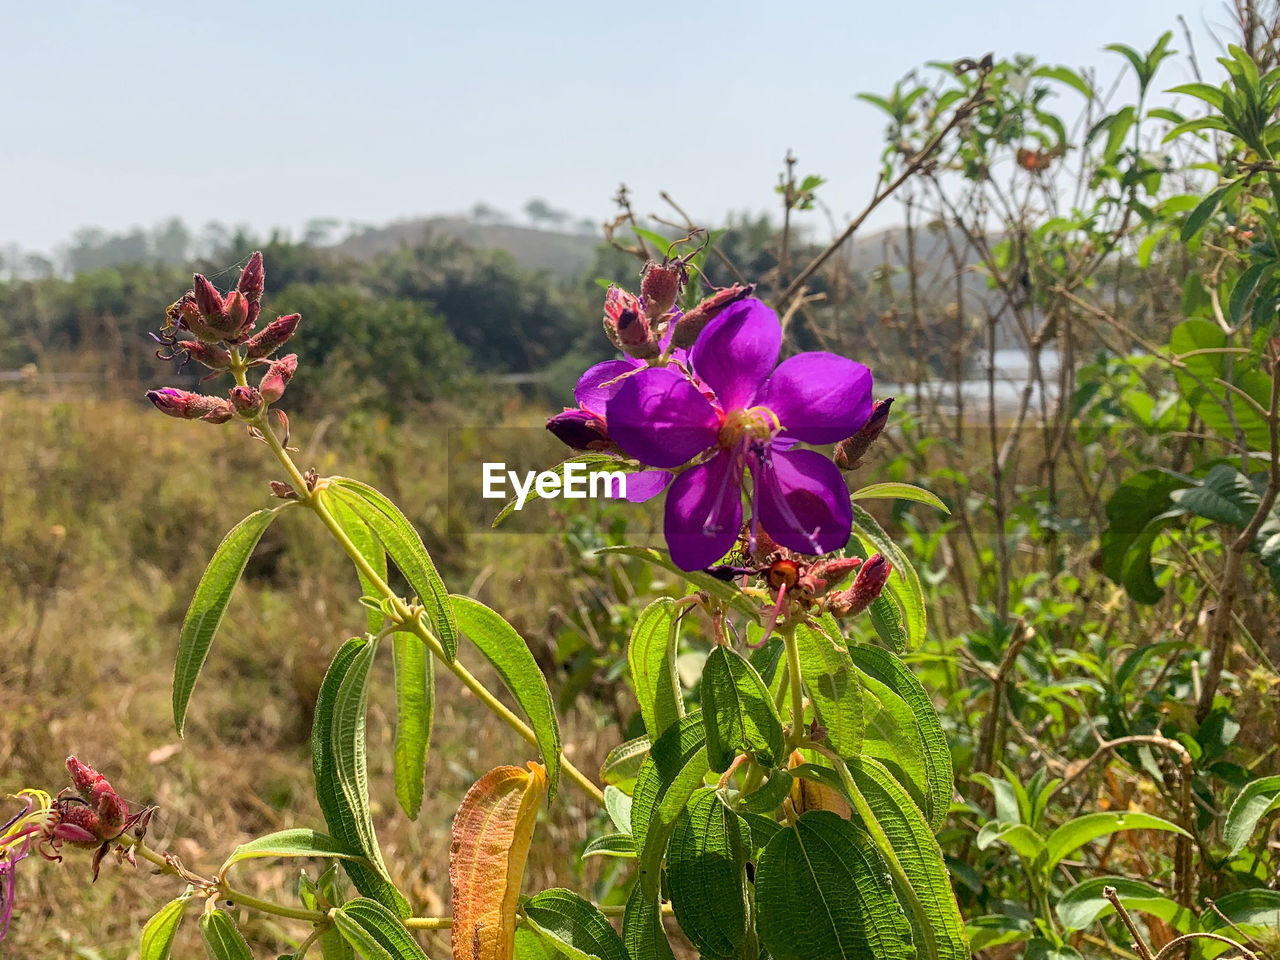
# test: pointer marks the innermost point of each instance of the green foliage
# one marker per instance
(156, 942)
(738, 712)
(222, 941)
(375, 932)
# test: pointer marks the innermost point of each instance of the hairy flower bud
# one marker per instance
(246, 401)
(849, 452)
(690, 325)
(867, 585)
(277, 377)
(207, 298)
(580, 429)
(627, 326)
(660, 285)
(215, 358)
(185, 405)
(253, 278)
(271, 337)
(833, 572)
(237, 311)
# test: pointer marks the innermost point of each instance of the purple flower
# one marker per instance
(731, 412)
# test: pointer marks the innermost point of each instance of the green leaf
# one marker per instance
(1214, 96)
(1254, 802)
(1076, 833)
(337, 752)
(738, 712)
(832, 684)
(1084, 905)
(367, 544)
(1225, 495)
(611, 845)
(642, 930)
(894, 674)
(769, 797)
(415, 705)
(618, 805)
(1066, 75)
(622, 764)
(899, 491)
(1245, 286)
(1136, 513)
(892, 737)
(1019, 837)
(407, 551)
(719, 589)
(821, 891)
(919, 855)
(157, 936)
(375, 931)
(222, 941)
(707, 876)
(572, 927)
(1254, 912)
(651, 652)
(204, 616)
(510, 656)
(295, 842)
(1206, 209)
(904, 583)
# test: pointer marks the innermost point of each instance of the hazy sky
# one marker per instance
(274, 112)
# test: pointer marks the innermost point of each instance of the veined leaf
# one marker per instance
(491, 836)
(894, 674)
(222, 941)
(376, 932)
(1076, 833)
(707, 876)
(1083, 905)
(572, 927)
(832, 683)
(358, 533)
(204, 616)
(651, 653)
(738, 712)
(892, 737)
(904, 582)
(157, 936)
(1255, 913)
(769, 797)
(1254, 802)
(415, 705)
(618, 805)
(642, 930)
(337, 756)
(611, 845)
(622, 764)
(406, 549)
(899, 491)
(703, 581)
(295, 842)
(510, 656)
(321, 894)
(821, 892)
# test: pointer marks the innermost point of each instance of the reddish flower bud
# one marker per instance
(580, 429)
(867, 585)
(849, 452)
(236, 308)
(627, 326)
(246, 401)
(207, 298)
(277, 377)
(283, 490)
(660, 286)
(190, 406)
(215, 358)
(690, 325)
(832, 572)
(253, 279)
(271, 337)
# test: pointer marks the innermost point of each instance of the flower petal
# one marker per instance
(801, 501)
(704, 512)
(647, 484)
(661, 419)
(819, 397)
(601, 382)
(736, 352)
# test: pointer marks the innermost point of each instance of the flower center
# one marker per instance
(751, 423)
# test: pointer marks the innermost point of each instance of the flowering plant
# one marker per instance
(774, 819)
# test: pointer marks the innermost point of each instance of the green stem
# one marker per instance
(411, 620)
(797, 691)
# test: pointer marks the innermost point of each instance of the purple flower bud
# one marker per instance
(849, 452)
(253, 278)
(215, 358)
(271, 337)
(580, 429)
(185, 405)
(207, 298)
(246, 400)
(867, 585)
(690, 325)
(277, 377)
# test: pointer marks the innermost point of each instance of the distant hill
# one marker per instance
(564, 254)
